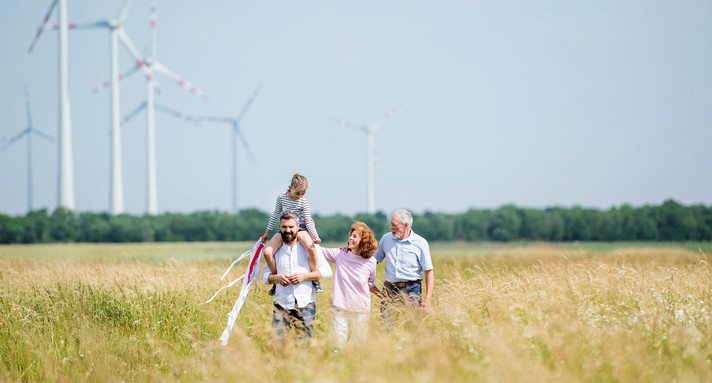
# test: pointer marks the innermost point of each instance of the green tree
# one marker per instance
(334, 228)
(533, 227)
(471, 226)
(36, 225)
(11, 229)
(435, 226)
(504, 224)
(674, 223)
(127, 228)
(95, 227)
(379, 223)
(555, 224)
(64, 226)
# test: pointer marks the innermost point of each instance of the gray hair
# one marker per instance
(404, 217)
(288, 214)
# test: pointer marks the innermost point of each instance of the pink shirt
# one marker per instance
(353, 276)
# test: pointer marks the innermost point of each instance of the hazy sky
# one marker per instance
(537, 103)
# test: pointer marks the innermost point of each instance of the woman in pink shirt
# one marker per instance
(353, 280)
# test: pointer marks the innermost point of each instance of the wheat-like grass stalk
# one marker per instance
(515, 313)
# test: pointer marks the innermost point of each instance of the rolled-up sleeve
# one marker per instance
(324, 267)
(265, 274)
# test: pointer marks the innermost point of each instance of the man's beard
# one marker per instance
(396, 235)
(287, 237)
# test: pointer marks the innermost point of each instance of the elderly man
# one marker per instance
(408, 261)
(294, 301)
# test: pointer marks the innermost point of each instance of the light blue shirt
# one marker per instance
(405, 259)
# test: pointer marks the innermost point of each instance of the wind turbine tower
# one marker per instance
(116, 33)
(370, 131)
(236, 133)
(65, 191)
(28, 132)
(149, 66)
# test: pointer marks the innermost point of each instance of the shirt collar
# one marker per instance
(406, 239)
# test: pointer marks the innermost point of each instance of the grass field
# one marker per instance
(501, 313)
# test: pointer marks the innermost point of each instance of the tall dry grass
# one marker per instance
(531, 313)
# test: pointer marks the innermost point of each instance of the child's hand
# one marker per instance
(317, 240)
(296, 278)
(284, 280)
(265, 236)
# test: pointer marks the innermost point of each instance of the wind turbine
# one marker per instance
(235, 122)
(116, 33)
(65, 191)
(370, 131)
(27, 132)
(152, 65)
(162, 108)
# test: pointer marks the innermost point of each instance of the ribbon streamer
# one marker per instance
(238, 259)
(249, 278)
(224, 287)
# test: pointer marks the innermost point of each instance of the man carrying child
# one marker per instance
(294, 301)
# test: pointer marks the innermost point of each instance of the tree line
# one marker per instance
(669, 221)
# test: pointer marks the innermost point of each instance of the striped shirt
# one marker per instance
(300, 206)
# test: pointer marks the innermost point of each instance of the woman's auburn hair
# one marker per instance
(368, 245)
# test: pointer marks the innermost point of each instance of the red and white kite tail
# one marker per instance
(253, 271)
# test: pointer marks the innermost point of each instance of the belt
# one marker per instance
(402, 285)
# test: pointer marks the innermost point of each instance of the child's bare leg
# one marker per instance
(306, 240)
(274, 243)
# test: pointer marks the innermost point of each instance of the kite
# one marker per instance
(250, 276)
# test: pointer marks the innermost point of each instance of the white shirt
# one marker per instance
(292, 260)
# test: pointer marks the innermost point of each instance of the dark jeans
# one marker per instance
(392, 295)
(299, 319)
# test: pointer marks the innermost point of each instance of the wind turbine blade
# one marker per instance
(44, 135)
(125, 11)
(185, 84)
(27, 106)
(154, 17)
(349, 124)
(30, 128)
(70, 25)
(215, 119)
(176, 113)
(133, 113)
(249, 102)
(343, 122)
(122, 76)
(376, 161)
(141, 64)
(14, 139)
(41, 28)
(96, 24)
(245, 145)
(388, 114)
